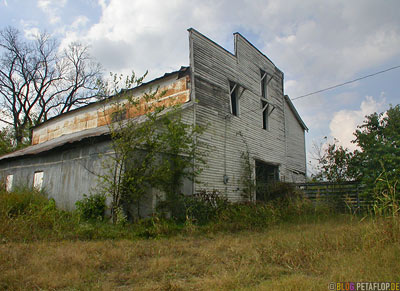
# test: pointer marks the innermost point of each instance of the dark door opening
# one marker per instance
(266, 175)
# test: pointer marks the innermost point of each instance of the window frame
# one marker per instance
(266, 106)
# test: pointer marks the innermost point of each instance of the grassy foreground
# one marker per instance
(286, 257)
(302, 255)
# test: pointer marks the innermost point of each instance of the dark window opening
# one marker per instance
(264, 100)
(266, 177)
(263, 84)
(264, 105)
(233, 91)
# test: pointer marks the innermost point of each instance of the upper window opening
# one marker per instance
(233, 91)
(264, 100)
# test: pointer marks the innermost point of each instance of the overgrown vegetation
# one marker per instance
(28, 215)
(91, 207)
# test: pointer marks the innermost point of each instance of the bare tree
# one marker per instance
(39, 81)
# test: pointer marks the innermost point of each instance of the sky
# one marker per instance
(317, 44)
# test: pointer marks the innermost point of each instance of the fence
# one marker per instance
(344, 195)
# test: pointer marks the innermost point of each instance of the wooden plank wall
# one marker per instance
(227, 135)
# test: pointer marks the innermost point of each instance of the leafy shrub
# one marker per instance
(205, 206)
(91, 207)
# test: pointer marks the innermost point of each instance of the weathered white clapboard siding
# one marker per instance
(295, 148)
(227, 135)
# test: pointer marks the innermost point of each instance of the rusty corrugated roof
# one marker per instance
(180, 72)
(73, 137)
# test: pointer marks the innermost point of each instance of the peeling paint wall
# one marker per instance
(176, 91)
(68, 173)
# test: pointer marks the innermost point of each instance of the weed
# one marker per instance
(21, 201)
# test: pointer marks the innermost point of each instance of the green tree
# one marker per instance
(379, 141)
(6, 141)
(334, 163)
(378, 153)
(154, 150)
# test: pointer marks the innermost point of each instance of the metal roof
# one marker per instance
(74, 137)
(57, 142)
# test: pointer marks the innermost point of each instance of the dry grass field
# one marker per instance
(286, 256)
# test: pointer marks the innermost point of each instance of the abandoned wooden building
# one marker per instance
(238, 97)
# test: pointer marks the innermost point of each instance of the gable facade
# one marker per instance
(263, 124)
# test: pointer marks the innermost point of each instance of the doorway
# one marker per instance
(266, 175)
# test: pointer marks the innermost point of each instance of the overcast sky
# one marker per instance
(315, 43)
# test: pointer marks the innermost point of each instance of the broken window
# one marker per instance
(9, 182)
(234, 96)
(38, 180)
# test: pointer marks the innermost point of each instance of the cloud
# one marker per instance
(30, 29)
(31, 32)
(322, 43)
(345, 122)
(52, 9)
(79, 22)
(316, 44)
